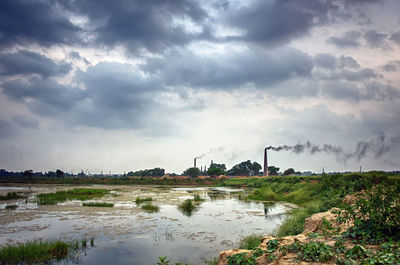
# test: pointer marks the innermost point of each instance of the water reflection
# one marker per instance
(126, 234)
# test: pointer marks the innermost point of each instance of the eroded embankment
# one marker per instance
(318, 224)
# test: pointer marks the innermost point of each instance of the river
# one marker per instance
(125, 234)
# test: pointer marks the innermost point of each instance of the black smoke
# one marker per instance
(376, 148)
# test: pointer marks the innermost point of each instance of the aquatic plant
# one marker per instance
(10, 196)
(98, 204)
(188, 207)
(150, 208)
(36, 252)
(197, 198)
(75, 194)
(11, 207)
(141, 200)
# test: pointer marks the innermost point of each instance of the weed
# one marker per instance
(141, 200)
(150, 208)
(75, 194)
(98, 204)
(11, 207)
(250, 242)
(187, 207)
(197, 198)
(163, 261)
(10, 196)
(92, 241)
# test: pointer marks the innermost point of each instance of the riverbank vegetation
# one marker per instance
(39, 251)
(368, 201)
(10, 196)
(74, 194)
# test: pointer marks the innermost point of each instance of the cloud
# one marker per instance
(350, 39)
(41, 22)
(144, 24)
(325, 60)
(258, 67)
(375, 39)
(348, 62)
(392, 66)
(25, 122)
(395, 37)
(27, 62)
(6, 129)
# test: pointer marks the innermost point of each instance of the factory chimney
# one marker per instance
(195, 162)
(265, 163)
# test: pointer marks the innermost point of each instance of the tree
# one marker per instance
(245, 168)
(59, 173)
(289, 171)
(192, 172)
(216, 169)
(272, 171)
(28, 173)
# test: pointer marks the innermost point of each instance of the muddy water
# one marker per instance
(125, 234)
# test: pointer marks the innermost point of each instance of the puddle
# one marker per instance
(125, 234)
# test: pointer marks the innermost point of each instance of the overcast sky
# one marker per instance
(120, 85)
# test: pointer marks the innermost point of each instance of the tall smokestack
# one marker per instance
(265, 163)
(195, 162)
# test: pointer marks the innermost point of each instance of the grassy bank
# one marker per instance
(39, 252)
(314, 194)
(10, 196)
(75, 194)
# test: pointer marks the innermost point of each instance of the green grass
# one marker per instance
(197, 198)
(75, 194)
(250, 242)
(11, 207)
(142, 200)
(36, 252)
(10, 196)
(187, 207)
(150, 208)
(98, 204)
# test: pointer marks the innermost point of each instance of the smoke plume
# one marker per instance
(376, 148)
(212, 150)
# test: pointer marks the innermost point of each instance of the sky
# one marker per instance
(120, 85)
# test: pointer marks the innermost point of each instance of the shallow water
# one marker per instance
(125, 234)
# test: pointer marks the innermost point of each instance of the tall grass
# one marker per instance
(141, 200)
(35, 252)
(250, 242)
(75, 194)
(150, 208)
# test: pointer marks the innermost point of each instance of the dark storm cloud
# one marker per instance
(140, 24)
(350, 39)
(27, 62)
(348, 62)
(273, 22)
(115, 96)
(25, 122)
(392, 66)
(149, 24)
(41, 22)
(45, 97)
(374, 38)
(325, 60)
(6, 129)
(395, 37)
(258, 67)
(373, 91)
